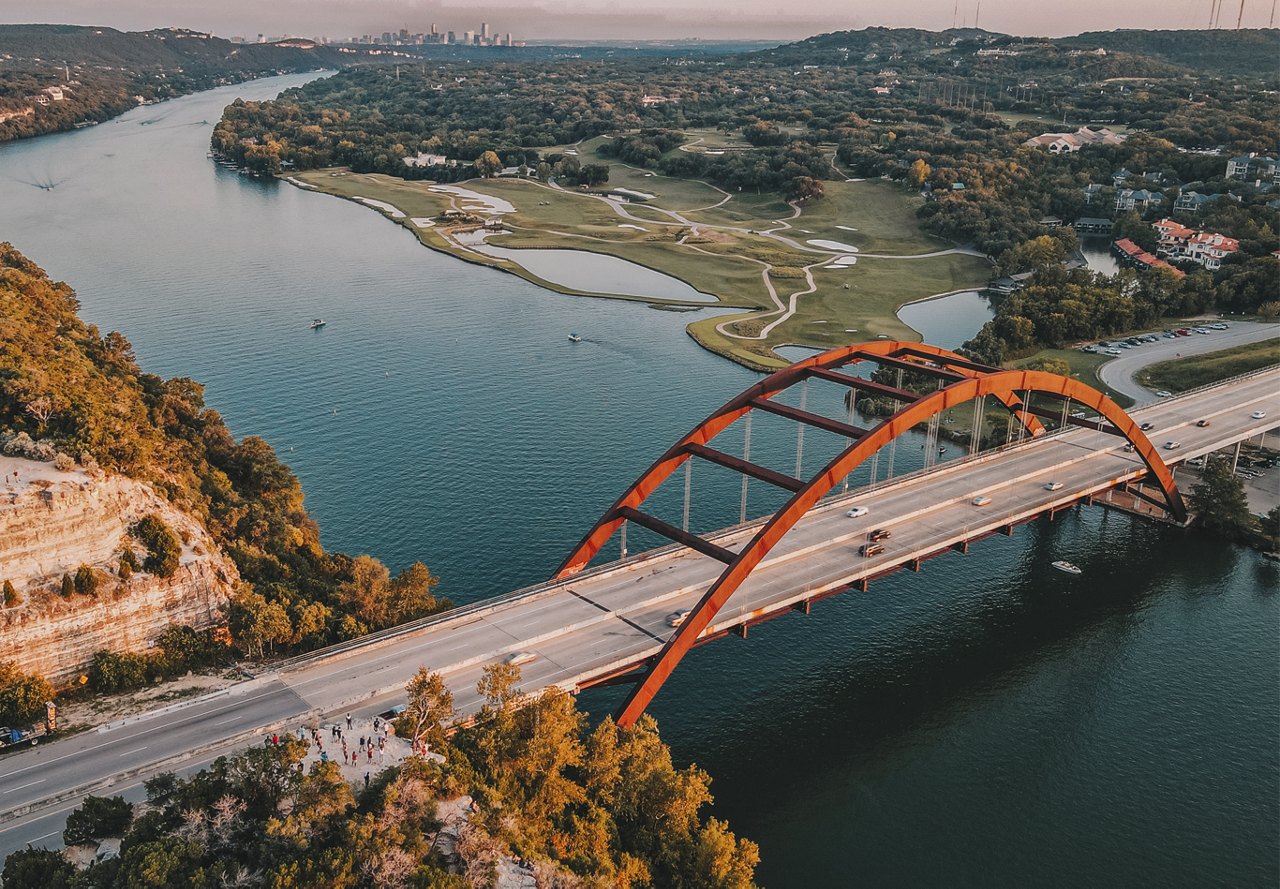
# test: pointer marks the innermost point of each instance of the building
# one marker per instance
(1062, 143)
(1132, 255)
(1205, 249)
(1139, 199)
(1251, 167)
(427, 160)
(1091, 191)
(1092, 225)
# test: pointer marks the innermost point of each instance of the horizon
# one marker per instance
(554, 21)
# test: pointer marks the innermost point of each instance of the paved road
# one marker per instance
(615, 616)
(1119, 372)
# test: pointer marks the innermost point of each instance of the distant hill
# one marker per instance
(1246, 52)
(166, 48)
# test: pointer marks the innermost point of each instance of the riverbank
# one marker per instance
(751, 267)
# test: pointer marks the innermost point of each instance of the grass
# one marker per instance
(1200, 370)
(726, 258)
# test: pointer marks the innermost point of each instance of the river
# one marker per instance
(989, 721)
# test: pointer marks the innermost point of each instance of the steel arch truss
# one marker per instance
(960, 380)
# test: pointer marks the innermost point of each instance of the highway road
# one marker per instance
(614, 616)
(1119, 373)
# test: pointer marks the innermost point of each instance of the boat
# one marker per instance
(1063, 565)
(316, 324)
(574, 338)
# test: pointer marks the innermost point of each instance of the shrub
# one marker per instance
(97, 818)
(163, 547)
(22, 696)
(68, 586)
(10, 595)
(37, 869)
(109, 671)
(125, 571)
(63, 463)
(86, 582)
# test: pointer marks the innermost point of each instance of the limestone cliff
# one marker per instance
(52, 522)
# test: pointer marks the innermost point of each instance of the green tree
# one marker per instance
(97, 818)
(22, 696)
(1271, 528)
(86, 582)
(1219, 501)
(68, 586)
(412, 594)
(11, 598)
(37, 869)
(163, 546)
(111, 671)
(368, 593)
(430, 705)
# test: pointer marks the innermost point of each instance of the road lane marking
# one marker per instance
(232, 719)
(19, 787)
(135, 750)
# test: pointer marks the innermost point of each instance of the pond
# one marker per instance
(948, 321)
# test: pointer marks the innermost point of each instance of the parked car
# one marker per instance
(980, 500)
(1053, 486)
(1182, 331)
(1164, 393)
(1172, 445)
(879, 534)
(1112, 352)
(676, 618)
(394, 712)
(871, 549)
(1088, 348)
(857, 512)
(516, 658)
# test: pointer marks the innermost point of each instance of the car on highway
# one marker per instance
(871, 549)
(880, 534)
(676, 618)
(1172, 445)
(518, 658)
(980, 500)
(1258, 415)
(1202, 423)
(1128, 449)
(1053, 486)
(1146, 427)
(857, 512)
(1164, 393)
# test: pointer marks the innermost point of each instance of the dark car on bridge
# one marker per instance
(880, 534)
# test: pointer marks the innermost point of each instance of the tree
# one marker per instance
(411, 594)
(1219, 501)
(68, 586)
(22, 696)
(488, 165)
(919, 173)
(368, 593)
(86, 582)
(804, 188)
(37, 869)
(111, 671)
(1271, 528)
(1050, 365)
(163, 547)
(430, 704)
(97, 818)
(11, 598)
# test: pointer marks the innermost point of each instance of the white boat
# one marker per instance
(316, 324)
(574, 338)
(1063, 565)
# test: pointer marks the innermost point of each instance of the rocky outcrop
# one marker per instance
(51, 523)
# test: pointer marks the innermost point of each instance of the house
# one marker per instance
(1092, 225)
(1091, 191)
(1051, 221)
(1060, 143)
(1192, 202)
(1252, 167)
(1119, 176)
(1139, 199)
(1208, 249)
(55, 93)
(424, 159)
(649, 101)
(881, 90)
(1010, 283)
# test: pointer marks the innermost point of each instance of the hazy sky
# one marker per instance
(780, 19)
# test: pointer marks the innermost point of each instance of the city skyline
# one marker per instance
(654, 19)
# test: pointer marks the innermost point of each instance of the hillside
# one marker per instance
(55, 77)
(1252, 53)
(71, 397)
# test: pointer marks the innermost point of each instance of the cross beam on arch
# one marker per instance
(960, 380)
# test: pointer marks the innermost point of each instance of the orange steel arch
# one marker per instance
(968, 382)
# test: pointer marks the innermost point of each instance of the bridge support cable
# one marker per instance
(975, 433)
(622, 535)
(746, 458)
(804, 393)
(688, 489)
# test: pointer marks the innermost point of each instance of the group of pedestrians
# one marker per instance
(334, 743)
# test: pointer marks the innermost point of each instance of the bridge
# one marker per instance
(609, 624)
